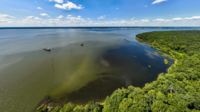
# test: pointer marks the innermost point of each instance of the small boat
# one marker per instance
(47, 49)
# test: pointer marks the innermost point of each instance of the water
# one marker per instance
(78, 74)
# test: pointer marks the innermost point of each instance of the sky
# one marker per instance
(66, 13)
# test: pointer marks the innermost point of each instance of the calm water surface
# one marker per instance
(107, 61)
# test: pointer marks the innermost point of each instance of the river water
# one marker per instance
(109, 59)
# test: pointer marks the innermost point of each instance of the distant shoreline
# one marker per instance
(99, 27)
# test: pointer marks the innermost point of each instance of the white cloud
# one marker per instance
(68, 6)
(177, 19)
(2, 21)
(58, 1)
(102, 17)
(123, 21)
(145, 21)
(187, 18)
(54, 21)
(33, 18)
(69, 15)
(44, 14)
(40, 8)
(60, 17)
(161, 20)
(77, 19)
(88, 19)
(132, 18)
(194, 17)
(158, 1)
(5, 16)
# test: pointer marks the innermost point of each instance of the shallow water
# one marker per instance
(104, 63)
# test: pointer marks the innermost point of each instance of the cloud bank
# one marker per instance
(69, 20)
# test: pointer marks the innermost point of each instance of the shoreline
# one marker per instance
(101, 103)
(154, 91)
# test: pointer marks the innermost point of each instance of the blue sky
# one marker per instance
(100, 13)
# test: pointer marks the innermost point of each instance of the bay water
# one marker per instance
(107, 59)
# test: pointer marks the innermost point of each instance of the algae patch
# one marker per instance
(165, 61)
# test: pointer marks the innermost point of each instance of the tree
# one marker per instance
(67, 108)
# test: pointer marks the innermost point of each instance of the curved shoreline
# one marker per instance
(167, 93)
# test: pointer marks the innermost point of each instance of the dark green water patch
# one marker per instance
(133, 61)
(125, 65)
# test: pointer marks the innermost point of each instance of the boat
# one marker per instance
(47, 49)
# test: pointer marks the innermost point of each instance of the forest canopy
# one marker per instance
(176, 91)
(180, 41)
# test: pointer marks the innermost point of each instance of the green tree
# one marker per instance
(68, 108)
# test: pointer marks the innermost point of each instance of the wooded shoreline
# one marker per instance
(178, 90)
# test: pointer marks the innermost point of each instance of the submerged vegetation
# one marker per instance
(176, 91)
(165, 61)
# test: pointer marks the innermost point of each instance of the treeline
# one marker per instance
(180, 41)
(176, 91)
